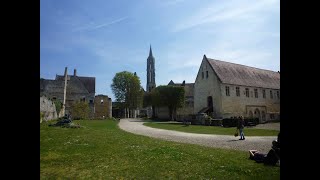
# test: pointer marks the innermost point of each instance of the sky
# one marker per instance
(102, 37)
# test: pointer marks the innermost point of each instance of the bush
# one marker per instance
(41, 116)
(230, 122)
(58, 105)
(207, 121)
(80, 110)
(253, 121)
(216, 122)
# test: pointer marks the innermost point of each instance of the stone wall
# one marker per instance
(205, 87)
(251, 106)
(48, 108)
(102, 107)
(162, 113)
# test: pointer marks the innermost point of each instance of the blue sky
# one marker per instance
(102, 37)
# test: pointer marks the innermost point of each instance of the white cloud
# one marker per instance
(91, 26)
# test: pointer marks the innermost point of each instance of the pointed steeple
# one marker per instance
(151, 82)
(150, 51)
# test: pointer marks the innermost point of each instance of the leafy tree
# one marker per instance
(127, 89)
(147, 99)
(80, 110)
(170, 96)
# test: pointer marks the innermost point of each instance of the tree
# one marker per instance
(147, 99)
(80, 110)
(127, 89)
(170, 96)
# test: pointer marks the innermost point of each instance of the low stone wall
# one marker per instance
(48, 108)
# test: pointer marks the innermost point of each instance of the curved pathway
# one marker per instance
(260, 143)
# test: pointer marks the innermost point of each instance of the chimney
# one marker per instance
(75, 72)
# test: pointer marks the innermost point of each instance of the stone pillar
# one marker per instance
(64, 91)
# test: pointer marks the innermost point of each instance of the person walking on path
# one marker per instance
(240, 127)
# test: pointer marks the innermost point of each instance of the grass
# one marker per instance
(100, 150)
(211, 129)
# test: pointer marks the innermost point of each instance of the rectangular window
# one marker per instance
(202, 75)
(227, 91)
(271, 95)
(91, 101)
(256, 93)
(263, 93)
(207, 74)
(247, 92)
(278, 94)
(238, 91)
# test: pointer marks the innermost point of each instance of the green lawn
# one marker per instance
(211, 129)
(100, 150)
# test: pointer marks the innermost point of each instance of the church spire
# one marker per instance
(150, 51)
(151, 82)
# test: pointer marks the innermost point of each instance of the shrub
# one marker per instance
(58, 105)
(216, 122)
(207, 121)
(80, 110)
(41, 116)
(253, 121)
(230, 122)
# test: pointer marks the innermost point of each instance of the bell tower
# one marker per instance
(151, 83)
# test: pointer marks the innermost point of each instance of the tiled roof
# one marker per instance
(231, 73)
(88, 82)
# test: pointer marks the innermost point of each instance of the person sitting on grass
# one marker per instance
(273, 156)
(257, 156)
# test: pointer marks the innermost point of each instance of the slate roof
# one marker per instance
(88, 82)
(231, 73)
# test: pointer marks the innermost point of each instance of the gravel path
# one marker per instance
(260, 143)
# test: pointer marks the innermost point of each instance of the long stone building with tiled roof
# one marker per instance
(226, 89)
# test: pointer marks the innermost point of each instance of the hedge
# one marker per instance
(233, 122)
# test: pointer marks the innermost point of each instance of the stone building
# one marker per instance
(102, 107)
(77, 88)
(226, 89)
